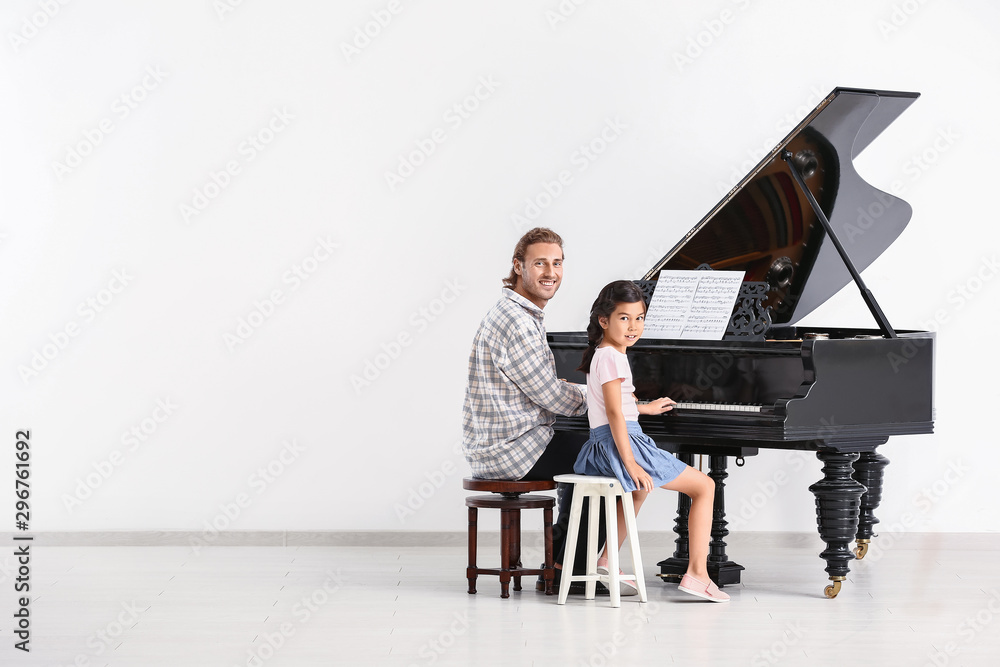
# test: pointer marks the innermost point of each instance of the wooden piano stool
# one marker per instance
(594, 488)
(509, 497)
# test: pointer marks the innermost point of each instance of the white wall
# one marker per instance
(158, 100)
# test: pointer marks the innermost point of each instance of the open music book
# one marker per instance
(692, 305)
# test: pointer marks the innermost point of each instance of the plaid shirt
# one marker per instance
(513, 393)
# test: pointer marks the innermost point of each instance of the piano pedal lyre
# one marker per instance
(834, 588)
(862, 548)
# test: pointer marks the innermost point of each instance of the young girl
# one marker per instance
(617, 446)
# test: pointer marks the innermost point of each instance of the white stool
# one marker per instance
(595, 488)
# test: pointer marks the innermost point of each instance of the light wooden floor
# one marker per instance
(927, 600)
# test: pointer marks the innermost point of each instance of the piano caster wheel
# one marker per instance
(862, 549)
(834, 588)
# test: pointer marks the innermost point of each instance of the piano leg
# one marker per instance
(838, 502)
(722, 570)
(868, 471)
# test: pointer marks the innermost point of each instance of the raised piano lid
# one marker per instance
(765, 226)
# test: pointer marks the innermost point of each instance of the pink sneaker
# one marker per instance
(625, 586)
(707, 591)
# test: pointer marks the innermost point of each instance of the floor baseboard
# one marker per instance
(277, 538)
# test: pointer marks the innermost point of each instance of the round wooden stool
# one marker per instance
(509, 498)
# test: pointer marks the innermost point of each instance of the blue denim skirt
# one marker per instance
(599, 456)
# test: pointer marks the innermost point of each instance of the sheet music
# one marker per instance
(692, 305)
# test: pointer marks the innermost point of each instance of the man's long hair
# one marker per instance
(532, 236)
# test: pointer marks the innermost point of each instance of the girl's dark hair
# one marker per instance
(620, 291)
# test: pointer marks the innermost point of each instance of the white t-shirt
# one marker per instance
(609, 364)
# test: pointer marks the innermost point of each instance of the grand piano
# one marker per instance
(801, 225)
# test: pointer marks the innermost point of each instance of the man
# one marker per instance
(513, 394)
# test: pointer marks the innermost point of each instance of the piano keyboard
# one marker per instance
(717, 407)
(720, 407)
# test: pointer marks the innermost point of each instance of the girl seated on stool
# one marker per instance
(617, 446)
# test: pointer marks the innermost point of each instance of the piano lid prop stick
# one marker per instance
(883, 323)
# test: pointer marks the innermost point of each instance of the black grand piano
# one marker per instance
(802, 225)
